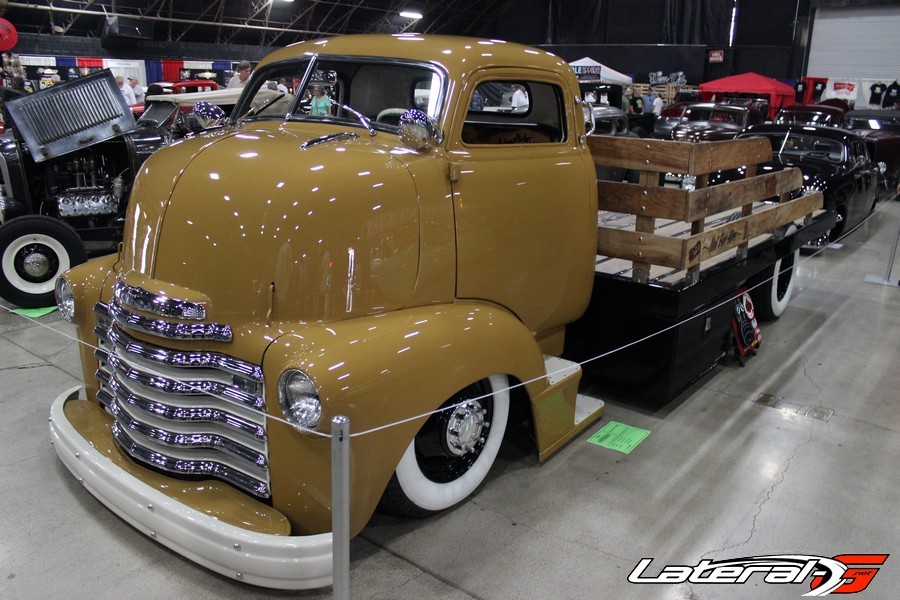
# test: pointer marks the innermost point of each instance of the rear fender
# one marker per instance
(378, 371)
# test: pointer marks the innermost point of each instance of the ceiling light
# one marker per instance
(411, 14)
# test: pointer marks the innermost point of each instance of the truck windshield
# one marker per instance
(379, 89)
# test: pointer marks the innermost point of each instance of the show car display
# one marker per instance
(881, 131)
(67, 164)
(418, 275)
(833, 161)
(810, 114)
(707, 122)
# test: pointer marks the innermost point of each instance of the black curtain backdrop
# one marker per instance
(698, 22)
(688, 22)
(578, 21)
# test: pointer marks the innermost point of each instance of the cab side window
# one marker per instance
(515, 112)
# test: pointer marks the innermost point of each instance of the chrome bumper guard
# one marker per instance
(273, 561)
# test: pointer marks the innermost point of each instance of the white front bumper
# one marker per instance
(273, 561)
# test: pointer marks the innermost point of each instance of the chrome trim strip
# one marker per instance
(176, 331)
(178, 358)
(193, 441)
(178, 413)
(189, 467)
(141, 299)
(167, 385)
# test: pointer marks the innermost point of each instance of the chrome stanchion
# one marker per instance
(340, 506)
(886, 280)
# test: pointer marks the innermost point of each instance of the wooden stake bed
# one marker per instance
(667, 234)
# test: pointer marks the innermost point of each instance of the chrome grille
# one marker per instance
(184, 412)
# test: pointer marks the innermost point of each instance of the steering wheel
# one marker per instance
(390, 116)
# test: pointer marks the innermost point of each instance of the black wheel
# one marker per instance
(452, 453)
(771, 296)
(34, 251)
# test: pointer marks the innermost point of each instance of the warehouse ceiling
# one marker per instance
(255, 22)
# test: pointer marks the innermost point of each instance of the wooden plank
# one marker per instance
(644, 224)
(641, 248)
(681, 205)
(702, 246)
(709, 201)
(709, 157)
(664, 156)
(665, 203)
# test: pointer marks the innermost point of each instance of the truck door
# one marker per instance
(524, 196)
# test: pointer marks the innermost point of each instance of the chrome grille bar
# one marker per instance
(175, 358)
(186, 441)
(199, 414)
(201, 466)
(181, 388)
(141, 299)
(167, 329)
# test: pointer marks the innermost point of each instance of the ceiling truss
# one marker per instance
(255, 22)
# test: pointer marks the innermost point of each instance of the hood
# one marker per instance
(72, 115)
(705, 130)
(818, 174)
(262, 228)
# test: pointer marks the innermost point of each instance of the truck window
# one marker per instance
(515, 112)
(380, 90)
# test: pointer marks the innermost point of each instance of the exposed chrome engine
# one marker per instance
(94, 190)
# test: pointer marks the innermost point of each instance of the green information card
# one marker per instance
(34, 313)
(620, 437)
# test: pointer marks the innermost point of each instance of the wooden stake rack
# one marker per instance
(647, 245)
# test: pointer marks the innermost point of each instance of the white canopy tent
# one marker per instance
(588, 68)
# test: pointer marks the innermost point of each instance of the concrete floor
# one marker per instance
(719, 477)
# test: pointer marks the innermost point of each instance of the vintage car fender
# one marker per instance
(385, 373)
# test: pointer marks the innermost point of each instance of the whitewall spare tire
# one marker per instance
(34, 251)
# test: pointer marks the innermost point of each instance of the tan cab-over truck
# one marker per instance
(423, 238)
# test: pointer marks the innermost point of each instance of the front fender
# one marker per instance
(378, 371)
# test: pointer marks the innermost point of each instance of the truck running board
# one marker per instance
(560, 412)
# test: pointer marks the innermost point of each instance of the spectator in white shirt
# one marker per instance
(519, 101)
(126, 90)
(137, 89)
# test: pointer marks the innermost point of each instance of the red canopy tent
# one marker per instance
(780, 94)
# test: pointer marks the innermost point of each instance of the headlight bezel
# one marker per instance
(65, 298)
(298, 397)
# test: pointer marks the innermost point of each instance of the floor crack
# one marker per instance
(765, 500)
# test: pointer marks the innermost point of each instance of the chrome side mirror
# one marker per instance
(209, 114)
(418, 130)
(589, 122)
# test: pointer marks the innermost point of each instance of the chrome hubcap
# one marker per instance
(36, 264)
(465, 428)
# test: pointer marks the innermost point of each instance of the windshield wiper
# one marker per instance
(255, 111)
(362, 119)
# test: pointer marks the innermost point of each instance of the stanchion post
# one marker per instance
(340, 506)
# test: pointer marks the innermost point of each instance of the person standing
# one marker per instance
(519, 102)
(241, 76)
(320, 105)
(126, 90)
(658, 103)
(138, 90)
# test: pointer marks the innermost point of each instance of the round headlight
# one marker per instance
(299, 399)
(65, 299)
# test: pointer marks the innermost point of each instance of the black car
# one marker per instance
(881, 130)
(67, 162)
(714, 122)
(832, 160)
